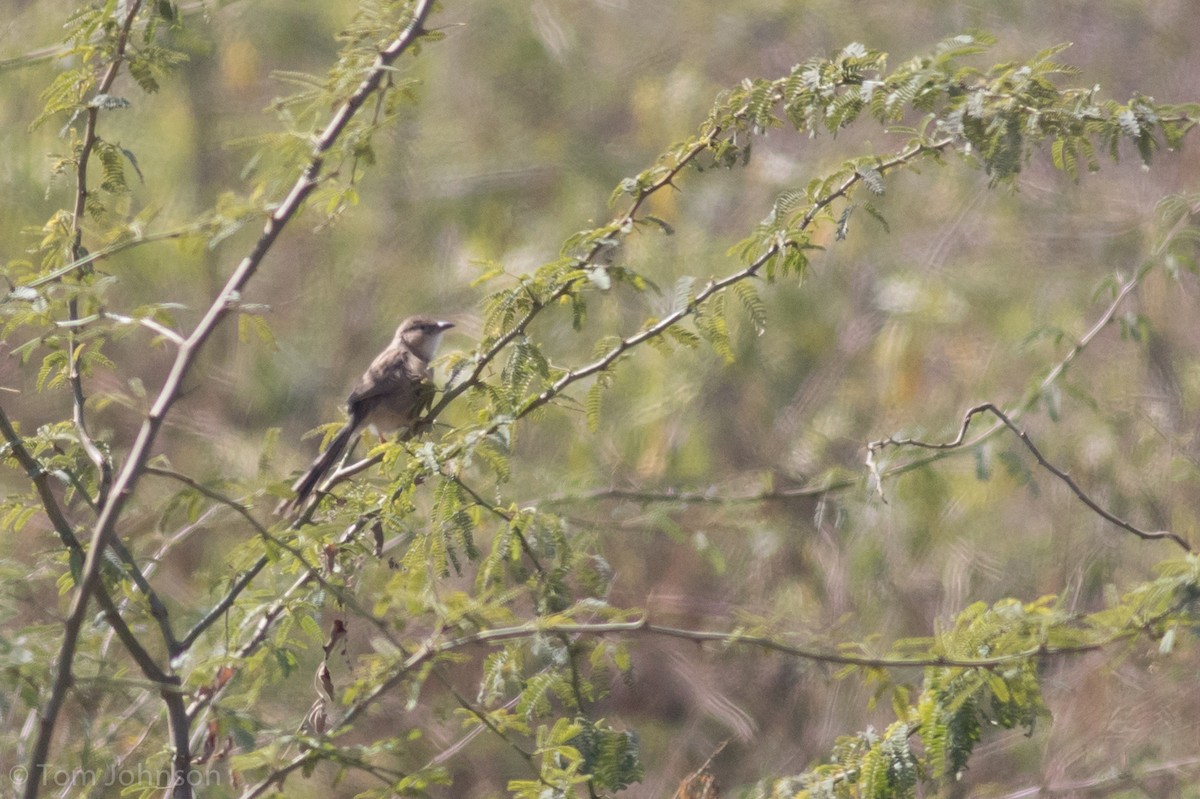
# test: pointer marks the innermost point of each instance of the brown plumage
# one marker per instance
(390, 395)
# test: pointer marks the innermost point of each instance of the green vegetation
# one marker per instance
(704, 505)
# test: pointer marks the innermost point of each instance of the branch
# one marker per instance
(716, 286)
(62, 526)
(20, 292)
(52, 52)
(1052, 377)
(140, 452)
(264, 623)
(433, 648)
(212, 494)
(100, 459)
(216, 611)
(671, 495)
(621, 222)
(877, 446)
(657, 329)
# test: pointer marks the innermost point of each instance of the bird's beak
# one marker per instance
(444, 325)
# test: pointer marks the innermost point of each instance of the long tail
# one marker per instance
(321, 466)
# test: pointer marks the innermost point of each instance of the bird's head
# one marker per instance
(422, 334)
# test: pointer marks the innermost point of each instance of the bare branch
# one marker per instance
(672, 496)
(987, 407)
(1052, 377)
(436, 646)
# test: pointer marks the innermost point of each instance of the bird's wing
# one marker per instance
(395, 370)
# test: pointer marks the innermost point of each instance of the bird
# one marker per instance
(390, 395)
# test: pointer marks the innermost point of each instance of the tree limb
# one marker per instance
(140, 452)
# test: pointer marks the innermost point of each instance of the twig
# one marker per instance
(672, 496)
(212, 494)
(987, 407)
(1051, 377)
(100, 459)
(21, 291)
(625, 220)
(58, 51)
(716, 286)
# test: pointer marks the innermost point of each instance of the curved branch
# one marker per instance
(1034, 394)
(1005, 421)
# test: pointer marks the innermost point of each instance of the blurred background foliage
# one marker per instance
(529, 114)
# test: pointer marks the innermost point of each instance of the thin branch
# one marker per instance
(134, 570)
(213, 494)
(265, 622)
(672, 496)
(1034, 394)
(645, 627)
(21, 291)
(434, 647)
(218, 610)
(95, 454)
(142, 573)
(1027, 402)
(881, 474)
(987, 407)
(624, 221)
(608, 359)
(158, 609)
(496, 510)
(145, 322)
(715, 286)
(311, 573)
(41, 482)
(52, 52)
(484, 724)
(226, 300)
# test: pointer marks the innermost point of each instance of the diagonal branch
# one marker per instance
(607, 360)
(623, 222)
(225, 301)
(41, 482)
(716, 286)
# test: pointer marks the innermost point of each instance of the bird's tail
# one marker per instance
(308, 481)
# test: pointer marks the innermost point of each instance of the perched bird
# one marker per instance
(390, 395)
